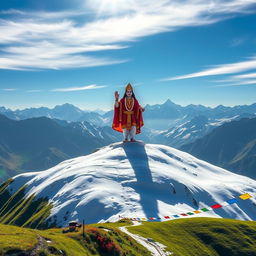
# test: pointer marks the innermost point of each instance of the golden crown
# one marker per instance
(128, 87)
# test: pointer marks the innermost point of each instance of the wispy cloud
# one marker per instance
(249, 82)
(238, 41)
(249, 75)
(73, 89)
(236, 80)
(9, 89)
(58, 40)
(34, 91)
(220, 70)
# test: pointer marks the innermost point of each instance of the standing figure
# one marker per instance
(127, 114)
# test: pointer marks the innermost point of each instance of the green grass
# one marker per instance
(96, 242)
(203, 236)
(17, 209)
(191, 236)
(16, 238)
(24, 239)
(64, 242)
(111, 225)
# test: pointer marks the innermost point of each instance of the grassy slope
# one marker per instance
(17, 209)
(24, 239)
(113, 242)
(203, 236)
(193, 237)
(12, 237)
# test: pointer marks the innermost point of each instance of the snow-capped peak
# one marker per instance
(137, 180)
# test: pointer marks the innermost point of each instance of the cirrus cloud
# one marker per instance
(220, 70)
(74, 39)
(9, 89)
(82, 88)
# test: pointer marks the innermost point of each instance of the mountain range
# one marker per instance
(66, 112)
(40, 143)
(231, 146)
(166, 123)
(191, 130)
(160, 116)
(62, 138)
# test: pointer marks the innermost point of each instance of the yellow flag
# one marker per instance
(245, 196)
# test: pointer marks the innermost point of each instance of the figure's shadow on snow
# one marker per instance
(144, 185)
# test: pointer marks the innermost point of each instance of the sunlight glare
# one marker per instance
(111, 6)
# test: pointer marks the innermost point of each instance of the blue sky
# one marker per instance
(81, 51)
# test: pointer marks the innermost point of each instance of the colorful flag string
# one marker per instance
(205, 209)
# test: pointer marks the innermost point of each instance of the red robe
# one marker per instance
(125, 118)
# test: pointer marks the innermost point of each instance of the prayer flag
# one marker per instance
(204, 210)
(224, 204)
(216, 206)
(197, 211)
(245, 196)
(166, 217)
(232, 201)
(176, 216)
(190, 213)
(183, 214)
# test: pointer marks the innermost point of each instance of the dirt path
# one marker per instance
(40, 245)
(154, 247)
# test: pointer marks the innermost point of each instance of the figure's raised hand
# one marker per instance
(116, 95)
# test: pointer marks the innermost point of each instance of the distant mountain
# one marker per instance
(66, 112)
(188, 131)
(167, 110)
(99, 111)
(175, 110)
(40, 143)
(191, 130)
(231, 146)
(169, 115)
(3, 109)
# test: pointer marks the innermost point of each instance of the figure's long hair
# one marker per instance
(133, 95)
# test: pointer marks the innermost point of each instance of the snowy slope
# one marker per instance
(137, 180)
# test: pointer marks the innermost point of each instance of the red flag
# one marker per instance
(216, 206)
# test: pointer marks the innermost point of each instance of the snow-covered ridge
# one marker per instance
(137, 180)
